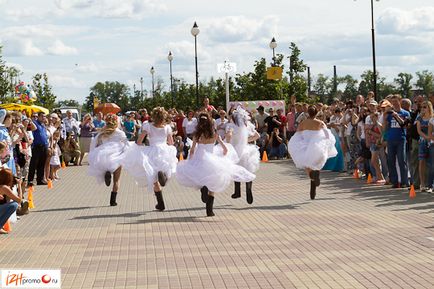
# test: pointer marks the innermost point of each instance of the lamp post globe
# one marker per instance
(195, 31)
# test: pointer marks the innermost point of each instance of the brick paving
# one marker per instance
(352, 236)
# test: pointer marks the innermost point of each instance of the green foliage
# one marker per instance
(298, 84)
(425, 81)
(43, 90)
(67, 103)
(404, 84)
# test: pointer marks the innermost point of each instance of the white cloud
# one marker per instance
(59, 48)
(62, 81)
(136, 9)
(20, 47)
(241, 28)
(398, 21)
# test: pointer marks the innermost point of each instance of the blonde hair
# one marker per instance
(111, 124)
(430, 108)
(160, 116)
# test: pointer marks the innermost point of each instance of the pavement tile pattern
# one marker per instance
(352, 236)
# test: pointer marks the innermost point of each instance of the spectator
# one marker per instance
(271, 121)
(55, 157)
(39, 150)
(87, 129)
(422, 123)
(220, 124)
(375, 141)
(130, 127)
(71, 124)
(396, 139)
(413, 141)
(189, 125)
(290, 122)
(71, 150)
(5, 124)
(98, 121)
(208, 107)
(282, 127)
(278, 147)
(179, 119)
(431, 154)
(144, 116)
(260, 118)
(8, 208)
(299, 114)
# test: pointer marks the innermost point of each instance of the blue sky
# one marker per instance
(80, 42)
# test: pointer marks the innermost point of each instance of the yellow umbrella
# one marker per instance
(29, 109)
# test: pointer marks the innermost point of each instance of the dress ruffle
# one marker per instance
(209, 168)
(312, 148)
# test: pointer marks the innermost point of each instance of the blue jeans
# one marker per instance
(278, 151)
(6, 210)
(396, 149)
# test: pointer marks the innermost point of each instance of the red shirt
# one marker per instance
(282, 119)
(179, 120)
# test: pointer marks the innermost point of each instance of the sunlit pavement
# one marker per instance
(352, 236)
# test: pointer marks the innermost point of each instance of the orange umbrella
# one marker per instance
(106, 108)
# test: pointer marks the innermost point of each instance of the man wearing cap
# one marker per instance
(395, 121)
(39, 151)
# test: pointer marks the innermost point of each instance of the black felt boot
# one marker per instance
(107, 178)
(162, 178)
(209, 206)
(204, 194)
(160, 202)
(113, 199)
(312, 190)
(237, 192)
(249, 194)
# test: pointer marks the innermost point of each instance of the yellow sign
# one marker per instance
(95, 102)
(274, 73)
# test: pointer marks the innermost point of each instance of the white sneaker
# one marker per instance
(429, 190)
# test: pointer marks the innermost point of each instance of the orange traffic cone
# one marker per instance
(264, 157)
(50, 184)
(412, 192)
(30, 197)
(369, 180)
(63, 165)
(356, 174)
(181, 157)
(7, 227)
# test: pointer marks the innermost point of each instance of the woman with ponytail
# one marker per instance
(207, 169)
(154, 164)
(107, 150)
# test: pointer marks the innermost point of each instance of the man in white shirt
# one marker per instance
(71, 124)
(220, 124)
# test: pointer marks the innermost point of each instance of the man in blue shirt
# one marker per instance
(395, 122)
(98, 122)
(39, 151)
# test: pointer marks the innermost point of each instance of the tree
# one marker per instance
(4, 82)
(43, 90)
(404, 84)
(109, 91)
(298, 83)
(425, 81)
(322, 87)
(350, 90)
(67, 103)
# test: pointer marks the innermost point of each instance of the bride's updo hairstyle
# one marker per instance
(160, 116)
(312, 111)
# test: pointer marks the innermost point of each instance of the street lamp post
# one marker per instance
(195, 31)
(273, 45)
(152, 73)
(374, 64)
(141, 88)
(170, 58)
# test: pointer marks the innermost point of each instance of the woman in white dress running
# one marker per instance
(311, 146)
(106, 153)
(154, 164)
(206, 168)
(240, 133)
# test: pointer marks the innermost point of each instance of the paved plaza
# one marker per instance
(352, 236)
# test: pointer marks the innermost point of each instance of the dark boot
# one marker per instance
(209, 205)
(113, 199)
(315, 175)
(160, 202)
(312, 190)
(162, 178)
(204, 194)
(237, 192)
(107, 178)
(249, 194)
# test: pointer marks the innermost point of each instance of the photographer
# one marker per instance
(71, 149)
(395, 123)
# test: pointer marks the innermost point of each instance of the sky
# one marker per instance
(80, 42)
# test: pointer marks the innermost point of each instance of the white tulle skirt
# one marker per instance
(312, 148)
(210, 168)
(249, 158)
(144, 163)
(106, 157)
